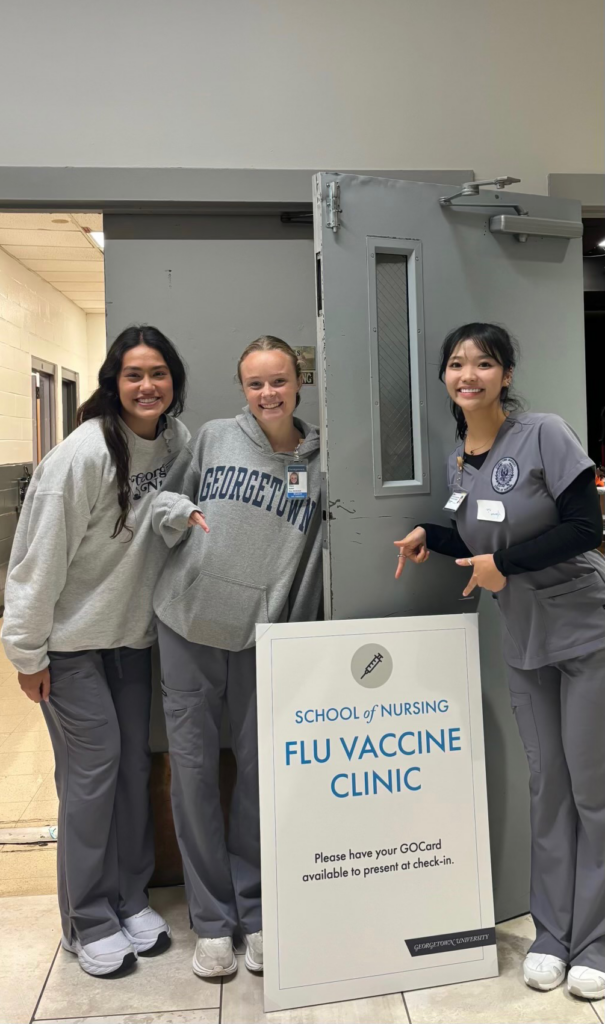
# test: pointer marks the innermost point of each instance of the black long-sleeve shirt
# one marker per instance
(580, 529)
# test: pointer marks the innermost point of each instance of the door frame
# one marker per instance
(589, 189)
(177, 189)
(44, 366)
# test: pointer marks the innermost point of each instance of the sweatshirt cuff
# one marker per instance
(500, 562)
(27, 662)
(178, 517)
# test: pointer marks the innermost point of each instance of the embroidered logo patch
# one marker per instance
(505, 475)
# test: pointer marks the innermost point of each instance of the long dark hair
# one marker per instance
(496, 342)
(105, 403)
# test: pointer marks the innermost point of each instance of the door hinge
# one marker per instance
(333, 206)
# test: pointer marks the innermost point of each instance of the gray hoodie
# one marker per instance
(70, 587)
(261, 561)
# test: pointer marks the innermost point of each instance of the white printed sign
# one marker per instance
(375, 848)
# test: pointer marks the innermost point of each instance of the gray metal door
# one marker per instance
(396, 271)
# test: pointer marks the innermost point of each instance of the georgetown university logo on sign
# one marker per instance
(505, 475)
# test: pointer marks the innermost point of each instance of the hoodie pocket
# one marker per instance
(218, 611)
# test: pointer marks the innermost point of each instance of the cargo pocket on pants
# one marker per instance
(573, 614)
(185, 711)
(526, 723)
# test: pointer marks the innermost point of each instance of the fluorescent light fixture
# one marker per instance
(99, 238)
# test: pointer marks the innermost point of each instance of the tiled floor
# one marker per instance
(27, 789)
(41, 982)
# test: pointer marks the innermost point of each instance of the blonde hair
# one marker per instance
(269, 343)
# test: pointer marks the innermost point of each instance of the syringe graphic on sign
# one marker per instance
(376, 660)
(371, 665)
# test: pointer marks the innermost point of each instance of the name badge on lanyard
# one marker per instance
(297, 477)
(459, 494)
(455, 500)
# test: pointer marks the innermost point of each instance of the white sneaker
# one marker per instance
(254, 951)
(543, 971)
(213, 957)
(586, 982)
(147, 932)
(105, 956)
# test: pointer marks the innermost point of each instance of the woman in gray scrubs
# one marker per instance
(527, 520)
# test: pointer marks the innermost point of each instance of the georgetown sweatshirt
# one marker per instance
(261, 561)
(70, 587)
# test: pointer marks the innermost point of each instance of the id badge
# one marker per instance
(455, 500)
(297, 475)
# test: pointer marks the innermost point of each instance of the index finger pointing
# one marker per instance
(200, 521)
(400, 565)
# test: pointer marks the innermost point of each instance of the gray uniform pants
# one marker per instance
(222, 879)
(560, 712)
(98, 719)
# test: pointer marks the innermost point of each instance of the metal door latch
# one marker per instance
(333, 206)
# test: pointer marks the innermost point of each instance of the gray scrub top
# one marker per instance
(559, 612)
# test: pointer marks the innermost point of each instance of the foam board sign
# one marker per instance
(375, 847)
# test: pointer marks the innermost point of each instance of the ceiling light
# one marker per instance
(99, 238)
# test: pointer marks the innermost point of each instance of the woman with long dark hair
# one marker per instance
(527, 521)
(78, 627)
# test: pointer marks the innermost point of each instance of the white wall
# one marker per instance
(503, 86)
(37, 320)
(97, 346)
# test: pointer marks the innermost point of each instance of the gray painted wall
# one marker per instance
(212, 297)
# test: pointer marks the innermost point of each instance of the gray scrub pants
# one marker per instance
(98, 720)
(560, 712)
(222, 877)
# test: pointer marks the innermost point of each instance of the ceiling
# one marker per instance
(58, 247)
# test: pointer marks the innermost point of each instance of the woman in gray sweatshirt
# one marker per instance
(256, 479)
(78, 627)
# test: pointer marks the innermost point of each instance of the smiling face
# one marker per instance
(270, 385)
(474, 380)
(145, 389)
